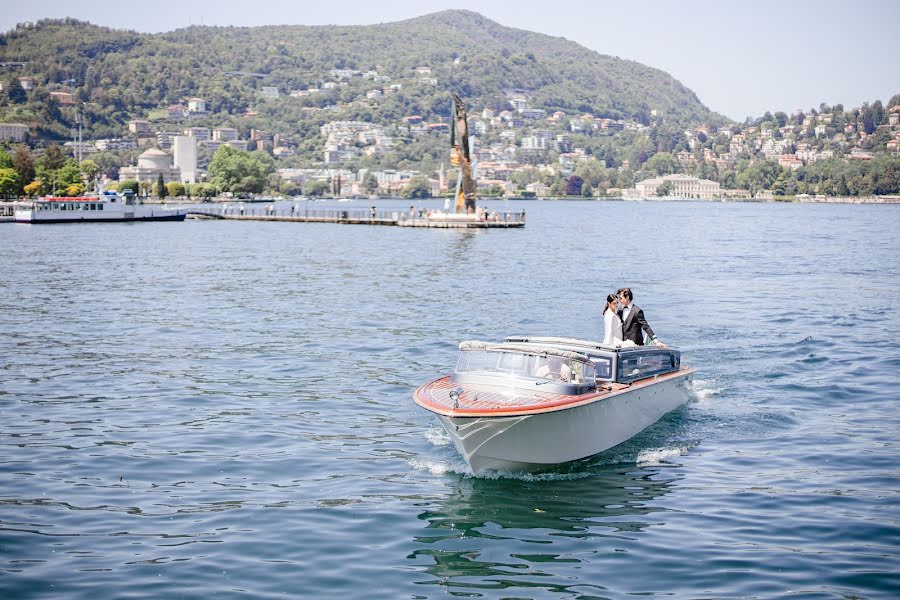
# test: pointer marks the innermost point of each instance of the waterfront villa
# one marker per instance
(682, 186)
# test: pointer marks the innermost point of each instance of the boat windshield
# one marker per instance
(520, 365)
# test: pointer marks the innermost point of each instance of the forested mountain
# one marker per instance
(377, 98)
(123, 74)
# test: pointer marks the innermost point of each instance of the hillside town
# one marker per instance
(520, 151)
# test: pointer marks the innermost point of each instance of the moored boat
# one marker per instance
(531, 403)
(104, 208)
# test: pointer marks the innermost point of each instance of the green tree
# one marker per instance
(759, 176)
(33, 189)
(778, 186)
(175, 188)
(662, 163)
(208, 190)
(841, 188)
(54, 158)
(68, 175)
(494, 190)
(239, 172)
(9, 182)
(75, 189)
(201, 190)
(417, 187)
(574, 184)
(665, 188)
(315, 187)
(129, 184)
(15, 92)
(23, 163)
(370, 183)
(591, 171)
(89, 168)
(160, 188)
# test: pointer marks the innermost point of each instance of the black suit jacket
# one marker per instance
(636, 323)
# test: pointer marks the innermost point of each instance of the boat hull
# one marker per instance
(93, 209)
(536, 442)
(41, 221)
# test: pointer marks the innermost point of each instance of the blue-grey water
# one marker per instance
(223, 409)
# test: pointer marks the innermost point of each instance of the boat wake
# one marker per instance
(437, 436)
(650, 457)
(459, 467)
(660, 457)
(704, 389)
(439, 467)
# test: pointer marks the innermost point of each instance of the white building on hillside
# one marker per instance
(682, 186)
(185, 148)
(13, 132)
(150, 165)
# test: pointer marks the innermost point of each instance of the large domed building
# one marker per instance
(149, 165)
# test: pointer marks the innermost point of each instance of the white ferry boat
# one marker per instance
(94, 209)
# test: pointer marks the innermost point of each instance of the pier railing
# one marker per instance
(360, 216)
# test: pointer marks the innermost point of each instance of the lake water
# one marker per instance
(223, 409)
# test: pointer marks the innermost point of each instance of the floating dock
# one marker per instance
(490, 220)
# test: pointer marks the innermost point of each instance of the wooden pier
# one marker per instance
(496, 220)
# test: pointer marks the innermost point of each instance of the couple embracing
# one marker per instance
(624, 322)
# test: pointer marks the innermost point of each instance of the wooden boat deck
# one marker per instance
(495, 401)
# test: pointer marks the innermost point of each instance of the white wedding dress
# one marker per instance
(612, 329)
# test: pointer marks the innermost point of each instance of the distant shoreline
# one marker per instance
(781, 200)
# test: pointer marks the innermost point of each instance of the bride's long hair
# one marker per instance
(609, 299)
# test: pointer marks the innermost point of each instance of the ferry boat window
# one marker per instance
(520, 365)
(642, 365)
(100, 206)
(475, 361)
(502, 363)
(62, 206)
(603, 365)
(512, 362)
(582, 372)
(562, 369)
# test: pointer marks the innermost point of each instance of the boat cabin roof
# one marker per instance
(71, 199)
(524, 348)
(619, 364)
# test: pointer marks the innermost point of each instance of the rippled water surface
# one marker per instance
(222, 409)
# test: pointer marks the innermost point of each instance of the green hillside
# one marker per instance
(119, 75)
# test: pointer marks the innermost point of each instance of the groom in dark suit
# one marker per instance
(633, 321)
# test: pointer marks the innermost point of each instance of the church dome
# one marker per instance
(154, 158)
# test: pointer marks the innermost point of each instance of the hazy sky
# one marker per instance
(741, 58)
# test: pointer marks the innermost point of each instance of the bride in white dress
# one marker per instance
(612, 324)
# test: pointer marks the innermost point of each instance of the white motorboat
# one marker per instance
(531, 403)
(104, 208)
